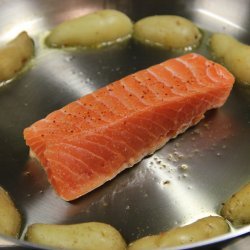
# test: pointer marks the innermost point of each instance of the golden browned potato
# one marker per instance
(237, 208)
(234, 54)
(10, 219)
(88, 236)
(145, 243)
(101, 27)
(14, 55)
(200, 230)
(170, 32)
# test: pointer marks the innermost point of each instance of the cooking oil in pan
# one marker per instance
(153, 195)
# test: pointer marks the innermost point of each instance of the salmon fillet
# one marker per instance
(92, 139)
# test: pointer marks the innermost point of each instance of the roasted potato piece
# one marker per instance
(234, 54)
(104, 26)
(145, 243)
(89, 236)
(237, 208)
(200, 230)
(14, 55)
(170, 32)
(10, 218)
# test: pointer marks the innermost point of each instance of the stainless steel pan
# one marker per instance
(136, 202)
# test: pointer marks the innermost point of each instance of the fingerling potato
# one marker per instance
(234, 54)
(200, 230)
(14, 55)
(145, 243)
(100, 27)
(10, 218)
(170, 32)
(237, 208)
(88, 236)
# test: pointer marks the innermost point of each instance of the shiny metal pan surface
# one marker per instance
(136, 202)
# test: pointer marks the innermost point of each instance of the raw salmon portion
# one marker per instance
(91, 140)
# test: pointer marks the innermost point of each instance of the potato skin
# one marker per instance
(235, 55)
(200, 230)
(104, 26)
(87, 236)
(14, 55)
(237, 208)
(10, 218)
(170, 32)
(145, 243)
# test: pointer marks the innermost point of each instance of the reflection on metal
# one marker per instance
(221, 19)
(71, 74)
(17, 28)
